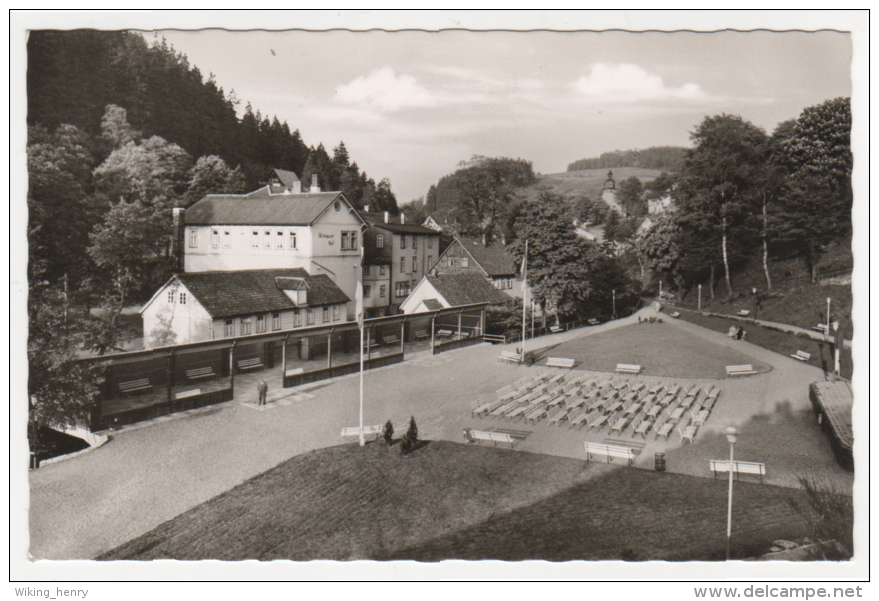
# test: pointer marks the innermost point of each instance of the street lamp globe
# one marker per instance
(731, 433)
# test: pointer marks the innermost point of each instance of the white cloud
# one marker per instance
(384, 90)
(631, 83)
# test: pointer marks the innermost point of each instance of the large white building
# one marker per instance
(319, 232)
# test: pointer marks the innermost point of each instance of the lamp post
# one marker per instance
(699, 304)
(613, 310)
(827, 329)
(731, 433)
(754, 293)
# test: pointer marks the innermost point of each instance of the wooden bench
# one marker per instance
(628, 368)
(391, 339)
(187, 393)
(821, 327)
(676, 314)
(421, 334)
(610, 451)
(200, 372)
(801, 356)
(135, 385)
(643, 427)
(492, 437)
(510, 356)
(688, 433)
(294, 372)
(444, 333)
(370, 344)
(254, 363)
(665, 430)
(739, 467)
(374, 431)
(555, 329)
(743, 313)
(740, 370)
(592, 322)
(560, 362)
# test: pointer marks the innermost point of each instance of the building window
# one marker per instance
(402, 241)
(193, 237)
(336, 312)
(276, 321)
(292, 241)
(366, 291)
(227, 239)
(366, 270)
(254, 240)
(414, 264)
(267, 239)
(215, 238)
(349, 240)
(414, 242)
(465, 262)
(379, 241)
(402, 264)
(297, 318)
(182, 298)
(245, 325)
(279, 241)
(310, 317)
(326, 313)
(170, 297)
(229, 328)
(260, 324)
(430, 242)
(381, 270)
(382, 291)
(429, 261)
(402, 289)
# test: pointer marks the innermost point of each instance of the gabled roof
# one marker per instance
(287, 178)
(495, 259)
(246, 292)
(377, 219)
(466, 289)
(257, 209)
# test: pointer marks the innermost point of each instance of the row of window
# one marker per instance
(506, 284)
(180, 298)
(457, 261)
(403, 241)
(276, 239)
(400, 289)
(246, 324)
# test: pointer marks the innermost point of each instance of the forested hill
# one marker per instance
(73, 76)
(663, 158)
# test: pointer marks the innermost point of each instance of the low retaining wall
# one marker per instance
(116, 420)
(455, 344)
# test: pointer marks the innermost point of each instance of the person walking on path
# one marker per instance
(263, 390)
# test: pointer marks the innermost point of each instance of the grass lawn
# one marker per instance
(450, 500)
(659, 348)
(780, 342)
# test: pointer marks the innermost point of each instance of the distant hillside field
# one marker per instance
(588, 181)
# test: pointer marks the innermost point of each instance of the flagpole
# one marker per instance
(524, 299)
(358, 295)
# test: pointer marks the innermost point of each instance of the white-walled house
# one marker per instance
(209, 305)
(442, 291)
(319, 232)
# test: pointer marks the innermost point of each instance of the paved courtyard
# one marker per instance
(148, 474)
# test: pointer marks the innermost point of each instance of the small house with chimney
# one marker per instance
(446, 290)
(490, 258)
(209, 305)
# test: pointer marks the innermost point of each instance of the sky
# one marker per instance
(410, 106)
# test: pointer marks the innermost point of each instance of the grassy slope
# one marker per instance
(451, 500)
(588, 181)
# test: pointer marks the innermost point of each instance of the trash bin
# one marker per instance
(659, 462)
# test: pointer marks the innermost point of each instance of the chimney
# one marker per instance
(297, 187)
(402, 218)
(178, 225)
(484, 243)
(387, 217)
(315, 187)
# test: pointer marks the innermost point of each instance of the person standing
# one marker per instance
(263, 390)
